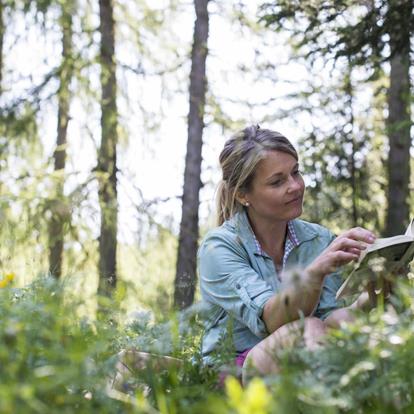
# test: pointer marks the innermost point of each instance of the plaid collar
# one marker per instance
(290, 243)
(297, 233)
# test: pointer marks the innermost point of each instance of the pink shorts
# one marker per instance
(239, 361)
(241, 357)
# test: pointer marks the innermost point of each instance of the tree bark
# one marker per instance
(185, 280)
(107, 157)
(399, 122)
(351, 139)
(58, 207)
(2, 28)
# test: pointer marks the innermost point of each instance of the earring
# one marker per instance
(246, 204)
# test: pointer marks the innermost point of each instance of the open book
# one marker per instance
(384, 256)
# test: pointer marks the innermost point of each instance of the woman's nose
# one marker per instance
(295, 184)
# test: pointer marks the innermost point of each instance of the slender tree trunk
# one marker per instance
(1, 42)
(351, 140)
(185, 280)
(107, 165)
(58, 207)
(2, 30)
(399, 122)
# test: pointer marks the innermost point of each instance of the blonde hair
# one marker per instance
(239, 159)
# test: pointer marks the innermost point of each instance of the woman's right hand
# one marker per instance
(344, 249)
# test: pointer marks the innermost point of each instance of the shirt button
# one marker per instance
(238, 286)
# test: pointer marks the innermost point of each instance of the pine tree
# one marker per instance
(59, 209)
(107, 158)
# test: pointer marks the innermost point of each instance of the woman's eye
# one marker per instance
(296, 172)
(276, 183)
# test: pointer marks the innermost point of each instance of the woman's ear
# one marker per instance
(242, 198)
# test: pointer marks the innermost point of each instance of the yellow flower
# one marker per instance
(7, 279)
(254, 399)
(257, 397)
(234, 391)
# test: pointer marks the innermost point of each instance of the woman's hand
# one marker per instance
(344, 249)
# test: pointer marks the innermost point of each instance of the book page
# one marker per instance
(387, 253)
(410, 229)
(376, 263)
(381, 243)
(391, 253)
(389, 241)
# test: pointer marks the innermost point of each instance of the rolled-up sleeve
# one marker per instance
(228, 280)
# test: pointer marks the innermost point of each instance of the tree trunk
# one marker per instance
(58, 207)
(185, 280)
(2, 28)
(351, 140)
(107, 169)
(399, 123)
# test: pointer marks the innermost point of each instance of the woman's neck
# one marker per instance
(271, 235)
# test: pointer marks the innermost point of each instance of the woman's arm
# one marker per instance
(302, 297)
(296, 299)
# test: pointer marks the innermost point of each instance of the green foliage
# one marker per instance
(50, 361)
(149, 272)
(346, 28)
(183, 388)
(343, 148)
(364, 367)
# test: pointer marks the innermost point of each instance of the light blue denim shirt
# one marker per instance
(237, 278)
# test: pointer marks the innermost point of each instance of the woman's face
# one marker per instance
(276, 191)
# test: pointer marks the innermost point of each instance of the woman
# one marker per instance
(262, 268)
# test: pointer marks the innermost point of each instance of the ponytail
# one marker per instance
(227, 203)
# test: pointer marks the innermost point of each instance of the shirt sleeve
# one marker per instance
(228, 280)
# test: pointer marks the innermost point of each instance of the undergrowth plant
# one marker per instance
(53, 361)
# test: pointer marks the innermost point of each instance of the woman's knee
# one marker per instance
(262, 359)
(307, 331)
(259, 361)
(314, 324)
(314, 331)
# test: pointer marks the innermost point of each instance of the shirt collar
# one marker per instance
(246, 230)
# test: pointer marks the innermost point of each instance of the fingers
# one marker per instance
(329, 260)
(342, 257)
(354, 251)
(344, 249)
(349, 245)
(360, 234)
(353, 241)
